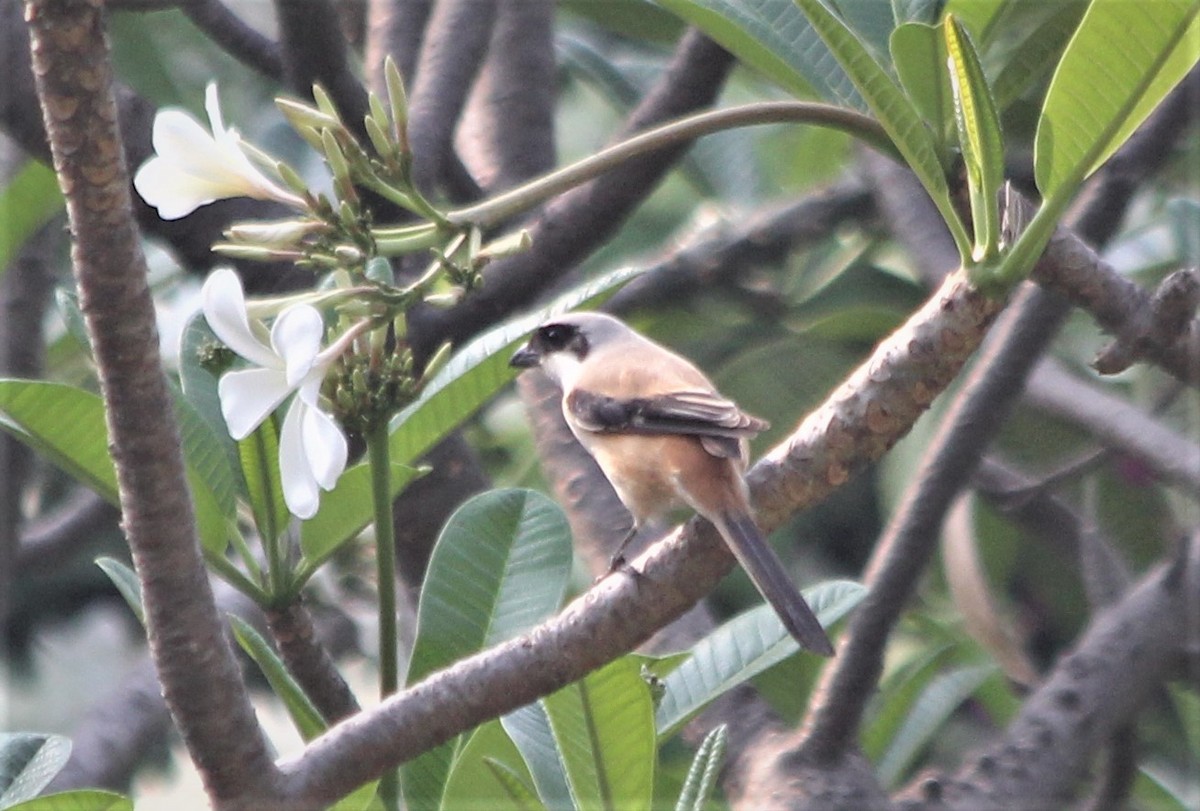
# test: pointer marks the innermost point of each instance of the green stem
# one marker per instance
(499, 208)
(378, 453)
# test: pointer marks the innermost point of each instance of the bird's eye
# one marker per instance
(556, 336)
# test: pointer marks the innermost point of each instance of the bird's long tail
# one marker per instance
(766, 570)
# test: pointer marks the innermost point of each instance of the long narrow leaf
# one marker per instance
(978, 136)
(303, 712)
(741, 649)
(1122, 61)
(937, 702)
(29, 200)
(529, 728)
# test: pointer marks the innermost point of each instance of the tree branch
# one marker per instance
(199, 676)
(236, 38)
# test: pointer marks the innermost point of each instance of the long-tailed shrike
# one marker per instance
(665, 438)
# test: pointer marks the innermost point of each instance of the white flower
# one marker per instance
(312, 447)
(192, 167)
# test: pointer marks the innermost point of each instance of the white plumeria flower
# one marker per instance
(312, 447)
(192, 167)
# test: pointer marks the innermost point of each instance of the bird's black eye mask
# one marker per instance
(560, 338)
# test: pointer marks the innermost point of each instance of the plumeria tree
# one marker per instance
(369, 250)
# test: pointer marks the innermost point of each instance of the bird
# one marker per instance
(665, 439)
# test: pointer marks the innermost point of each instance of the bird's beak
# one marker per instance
(525, 358)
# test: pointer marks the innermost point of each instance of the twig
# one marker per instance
(310, 663)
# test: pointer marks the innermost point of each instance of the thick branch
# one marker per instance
(196, 667)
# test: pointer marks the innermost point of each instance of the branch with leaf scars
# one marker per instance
(200, 678)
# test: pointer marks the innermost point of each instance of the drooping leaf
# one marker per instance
(739, 650)
(28, 762)
(472, 781)
(1121, 62)
(1029, 59)
(529, 729)
(603, 728)
(520, 794)
(66, 425)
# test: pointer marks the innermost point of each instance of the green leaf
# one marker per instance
(27, 203)
(127, 583)
(937, 702)
(1030, 59)
(343, 513)
(529, 729)
(304, 714)
(1123, 59)
(199, 387)
(603, 729)
(81, 800)
(893, 109)
(472, 781)
(500, 566)
(872, 21)
(64, 424)
(480, 369)
(897, 692)
(702, 774)
(916, 11)
(774, 38)
(517, 791)
(919, 53)
(28, 762)
(741, 649)
(979, 138)
(259, 458)
(67, 425)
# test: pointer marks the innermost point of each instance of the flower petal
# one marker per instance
(224, 306)
(248, 396)
(324, 446)
(300, 490)
(296, 338)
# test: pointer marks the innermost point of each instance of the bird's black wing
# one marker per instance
(696, 413)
